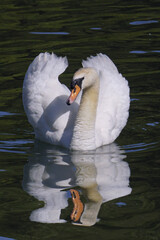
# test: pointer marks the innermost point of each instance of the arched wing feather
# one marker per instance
(114, 101)
(44, 99)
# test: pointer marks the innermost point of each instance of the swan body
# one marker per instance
(95, 117)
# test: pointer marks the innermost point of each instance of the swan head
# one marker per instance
(82, 79)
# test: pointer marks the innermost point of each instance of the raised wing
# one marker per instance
(44, 99)
(113, 104)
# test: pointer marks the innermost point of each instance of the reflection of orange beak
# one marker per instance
(78, 205)
(73, 94)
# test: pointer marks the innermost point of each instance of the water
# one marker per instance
(118, 184)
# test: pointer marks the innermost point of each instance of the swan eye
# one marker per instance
(77, 81)
(73, 84)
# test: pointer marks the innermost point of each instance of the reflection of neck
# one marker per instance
(84, 130)
(91, 208)
(86, 175)
(92, 193)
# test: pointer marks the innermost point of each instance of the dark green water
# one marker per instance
(126, 175)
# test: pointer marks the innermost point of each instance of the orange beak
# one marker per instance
(73, 95)
(78, 205)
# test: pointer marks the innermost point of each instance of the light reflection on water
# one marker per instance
(143, 22)
(50, 33)
(139, 147)
(142, 52)
(102, 175)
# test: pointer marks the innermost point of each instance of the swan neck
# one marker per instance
(84, 129)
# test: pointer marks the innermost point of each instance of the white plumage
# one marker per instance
(44, 99)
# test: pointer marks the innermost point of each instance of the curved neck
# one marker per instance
(84, 129)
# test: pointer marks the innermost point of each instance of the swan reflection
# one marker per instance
(52, 174)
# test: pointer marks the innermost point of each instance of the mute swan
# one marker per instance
(94, 118)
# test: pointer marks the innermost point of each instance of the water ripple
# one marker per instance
(143, 22)
(50, 33)
(17, 146)
(3, 114)
(138, 147)
(143, 52)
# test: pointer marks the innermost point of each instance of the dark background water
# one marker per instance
(129, 33)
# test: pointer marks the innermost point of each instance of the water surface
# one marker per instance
(118, 184)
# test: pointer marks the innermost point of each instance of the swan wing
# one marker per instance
(44, 99)
(114, 100)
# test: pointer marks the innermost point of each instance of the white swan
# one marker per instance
(95, 118)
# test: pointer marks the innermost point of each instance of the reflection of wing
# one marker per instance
(101, 174)
(44, 99)
(45, 176)
(112, 173)
(113, 105)
(104, 176)
(105, 168)
(54, 199)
